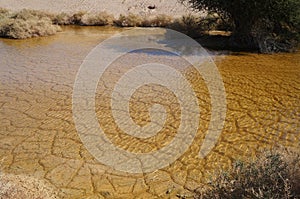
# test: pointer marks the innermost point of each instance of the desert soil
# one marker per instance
(116, 7)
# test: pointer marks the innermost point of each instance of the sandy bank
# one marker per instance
(116, 7)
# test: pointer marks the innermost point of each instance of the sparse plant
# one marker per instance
(96, 19)
(3, 13)
(62, 19)
(274, 174)
(26, 14)
(27, 24)
(186, 23)
(76, 17)
(158, 21)
(190, 21)
(20, 186)
(130, 20)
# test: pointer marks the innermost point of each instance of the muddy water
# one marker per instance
(38, 136)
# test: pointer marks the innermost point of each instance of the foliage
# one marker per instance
(256, 20)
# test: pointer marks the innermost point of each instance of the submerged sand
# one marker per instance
(38, 135)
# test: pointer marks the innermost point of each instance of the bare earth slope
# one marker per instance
(116, 7)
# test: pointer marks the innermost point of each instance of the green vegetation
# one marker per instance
(265, 25)
(273, 175)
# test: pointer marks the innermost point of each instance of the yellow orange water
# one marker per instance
(38, 136)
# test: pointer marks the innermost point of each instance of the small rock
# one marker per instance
(168, 191)
(151, 7)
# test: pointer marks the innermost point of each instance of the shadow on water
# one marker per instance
(221, 43)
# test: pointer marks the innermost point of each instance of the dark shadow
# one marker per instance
(221, 43)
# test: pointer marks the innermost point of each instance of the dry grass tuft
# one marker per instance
(3, 13)
(26, 24)
(18, 186)
(31, 23)
(76, 17)
(158, 21)
(83, 19)
(131, 20)
(274, 174)
(190, 22)
(22, 29)
(96, 19)
(62, 19)
(26, 14)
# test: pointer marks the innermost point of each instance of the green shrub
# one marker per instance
(256, 22)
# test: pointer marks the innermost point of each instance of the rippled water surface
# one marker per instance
(38, 136)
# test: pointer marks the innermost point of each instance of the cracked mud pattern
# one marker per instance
(38, 135)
